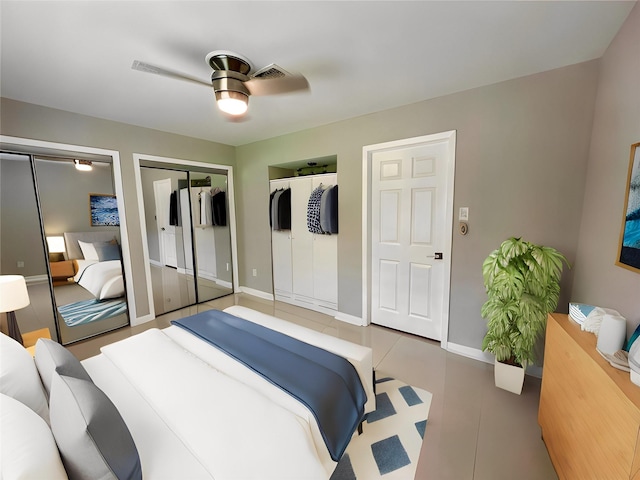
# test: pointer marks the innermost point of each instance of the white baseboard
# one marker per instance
(352, 319)
(141, 320)
(34, 279)
(470, 352)
(207, 275)
(224, 283)
(257, 293)
(477, 354)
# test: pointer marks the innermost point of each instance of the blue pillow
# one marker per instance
(107, 251)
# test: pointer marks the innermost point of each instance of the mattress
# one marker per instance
(225, 429)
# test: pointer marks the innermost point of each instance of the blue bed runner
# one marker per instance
(326, 383)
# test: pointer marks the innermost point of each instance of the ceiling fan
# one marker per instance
(233, 81)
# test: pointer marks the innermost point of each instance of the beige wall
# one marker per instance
(64, 195)
(616, 126)
(26, 120)
(522, 148)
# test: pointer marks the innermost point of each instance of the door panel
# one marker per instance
(301, 240)
(408, 201)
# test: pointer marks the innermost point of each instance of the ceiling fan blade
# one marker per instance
(148, 68)
(275, 86)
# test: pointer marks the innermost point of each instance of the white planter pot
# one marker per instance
(508, 377)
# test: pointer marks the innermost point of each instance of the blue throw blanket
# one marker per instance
(326, 383)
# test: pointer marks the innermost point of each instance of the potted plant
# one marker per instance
(523, 285)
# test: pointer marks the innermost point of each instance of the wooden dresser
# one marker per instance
(589, 411)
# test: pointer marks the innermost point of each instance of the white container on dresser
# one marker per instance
(305, 265)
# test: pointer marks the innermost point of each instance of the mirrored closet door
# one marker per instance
(188, 237)
(80, 274)
(22, 249)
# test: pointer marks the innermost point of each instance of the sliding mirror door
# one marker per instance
(212, 237)
(186, 221)
(168, 238)
(81, 226)
(22, 250)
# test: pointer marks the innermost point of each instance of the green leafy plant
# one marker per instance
(523, 285)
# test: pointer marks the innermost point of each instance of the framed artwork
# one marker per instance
(103, 209)
(629, 251)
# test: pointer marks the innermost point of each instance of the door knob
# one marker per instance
(437, 256)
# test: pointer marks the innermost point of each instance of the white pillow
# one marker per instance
(19, 377)
(88, 251)
(28, 448)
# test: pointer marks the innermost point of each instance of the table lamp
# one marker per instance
(56, 248)
(13, 296)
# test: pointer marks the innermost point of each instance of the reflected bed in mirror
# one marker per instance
(95, 293)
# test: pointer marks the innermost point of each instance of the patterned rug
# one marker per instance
(390, 444)
(88, 311)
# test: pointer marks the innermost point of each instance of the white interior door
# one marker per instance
(166, 232)
(411, 236)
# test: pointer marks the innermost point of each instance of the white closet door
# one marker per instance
(301, 240)
(281, 251)
(325, 259)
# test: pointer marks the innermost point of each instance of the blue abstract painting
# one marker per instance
(630, 236)
(104, 210)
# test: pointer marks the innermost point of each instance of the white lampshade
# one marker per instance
(13, 293)
(56, 244)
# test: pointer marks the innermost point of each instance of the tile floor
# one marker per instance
(475, 431)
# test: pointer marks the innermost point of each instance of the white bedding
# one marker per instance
(103, 279)
(232, 430)
(196, 413)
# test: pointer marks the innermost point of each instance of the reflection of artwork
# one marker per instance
(630, 233)
(103, 209)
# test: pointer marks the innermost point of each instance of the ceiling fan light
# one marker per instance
(233, 103)
(83, 165)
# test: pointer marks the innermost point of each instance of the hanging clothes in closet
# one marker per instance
(313, 210)
(206, 217)
(322, 210)
(329, 210)
(174, 219)
(280, 209)
(219, 208)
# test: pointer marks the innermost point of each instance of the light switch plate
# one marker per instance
(464, 214)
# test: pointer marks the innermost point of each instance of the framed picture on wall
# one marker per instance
(629, 251)
(103, 210)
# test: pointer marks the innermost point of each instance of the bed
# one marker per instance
(194, 412)
(98, 266)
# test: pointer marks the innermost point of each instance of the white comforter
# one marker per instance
(103, 279)
(233, 430)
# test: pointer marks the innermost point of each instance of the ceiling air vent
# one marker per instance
(271, 71)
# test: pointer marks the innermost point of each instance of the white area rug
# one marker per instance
(390, 444)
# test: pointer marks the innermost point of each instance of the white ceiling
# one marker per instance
(359, 57)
